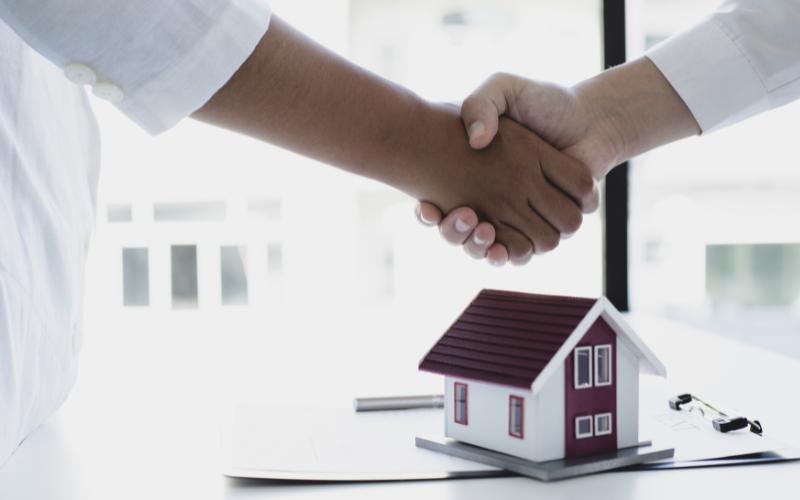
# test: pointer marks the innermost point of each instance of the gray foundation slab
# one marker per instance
(546, 471)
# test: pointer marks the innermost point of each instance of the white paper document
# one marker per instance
(338, 444)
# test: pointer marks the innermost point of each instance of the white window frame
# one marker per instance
(466, 403)
(597, 348)
(575, 362)
(597, 418)
(521, 434)
(589, 434)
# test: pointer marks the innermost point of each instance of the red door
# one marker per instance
(591, 393)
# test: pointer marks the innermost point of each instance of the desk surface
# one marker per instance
(144, 421)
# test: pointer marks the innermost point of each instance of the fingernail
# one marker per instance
(477, 240)
(462, 227)
(476, 130)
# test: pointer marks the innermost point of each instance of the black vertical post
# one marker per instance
(615, 195)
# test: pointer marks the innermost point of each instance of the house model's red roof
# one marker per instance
(506, 338)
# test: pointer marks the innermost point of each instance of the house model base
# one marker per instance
(547, 471)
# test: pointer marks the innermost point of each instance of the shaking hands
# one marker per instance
(600, 122)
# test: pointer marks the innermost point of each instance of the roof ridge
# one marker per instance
(489, 292)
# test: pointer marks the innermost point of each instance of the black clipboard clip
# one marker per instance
(723, 419)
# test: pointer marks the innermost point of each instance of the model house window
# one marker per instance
(602, 365)
(602, 424)
(583, 367)
(461, 403)
(583, 427)
(516, 412)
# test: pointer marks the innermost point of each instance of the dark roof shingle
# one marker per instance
(506, 338)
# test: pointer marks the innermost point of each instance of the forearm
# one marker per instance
(636, 108)
(296, 94)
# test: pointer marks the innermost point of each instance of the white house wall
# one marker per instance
(549, 419)
(487, 416)
(627, 396)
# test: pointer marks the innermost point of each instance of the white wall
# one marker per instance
(627, 396)
(549, 418)
(487, 411)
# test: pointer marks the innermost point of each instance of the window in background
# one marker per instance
(274, 259)
(233, 267)
(120, 213)
(201, 211)
(713, 231)
(135, 277)
(264, 209)
(184, 276)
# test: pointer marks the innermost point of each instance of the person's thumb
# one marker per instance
(480, 119)
(481, 110)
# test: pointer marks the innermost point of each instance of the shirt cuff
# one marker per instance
(712, 76)
(185, 87)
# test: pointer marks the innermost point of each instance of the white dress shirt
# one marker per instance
(158, 61)
(742, 60)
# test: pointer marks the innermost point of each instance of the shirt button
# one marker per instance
(80, 74)
(108, 91)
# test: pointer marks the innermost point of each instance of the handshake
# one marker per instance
(541, 155)
(544, 148)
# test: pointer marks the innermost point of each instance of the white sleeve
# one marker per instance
(168, 57)
(742, 60)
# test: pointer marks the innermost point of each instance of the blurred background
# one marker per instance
(213, 249)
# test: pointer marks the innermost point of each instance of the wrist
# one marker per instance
(437, 142)
(634, 108)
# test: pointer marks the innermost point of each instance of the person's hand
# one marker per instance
(461, 227)
(522, 186)
(556, 113)
(601, 122)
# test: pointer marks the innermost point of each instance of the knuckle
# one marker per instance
(585, 185)
(520, 251)
(574, 221)
(548, 242)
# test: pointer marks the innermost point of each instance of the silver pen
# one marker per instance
(398, 403)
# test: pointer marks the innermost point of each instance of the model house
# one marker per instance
(541, 377)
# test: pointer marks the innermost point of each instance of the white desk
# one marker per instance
(143, 422)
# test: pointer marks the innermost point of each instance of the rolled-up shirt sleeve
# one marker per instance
(742, 60)
(163, 59)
